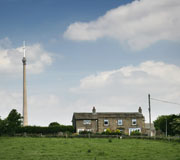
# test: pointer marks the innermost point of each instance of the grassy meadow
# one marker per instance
(19, 148)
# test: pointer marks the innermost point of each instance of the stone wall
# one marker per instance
(98, 125)
(127, 123)
(92, 126)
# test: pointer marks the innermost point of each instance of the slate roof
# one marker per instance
(107, 115)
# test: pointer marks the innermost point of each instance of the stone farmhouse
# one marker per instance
(100, 121)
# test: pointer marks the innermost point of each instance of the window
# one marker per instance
(80, 130)
(133, 121)
(134, 129)
(120, 122)
(106, 122)
(87, 122)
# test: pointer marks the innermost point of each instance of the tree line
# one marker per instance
(13, 125)
(169, 123)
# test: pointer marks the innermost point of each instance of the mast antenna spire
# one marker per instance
(24, 48)
(25, 114)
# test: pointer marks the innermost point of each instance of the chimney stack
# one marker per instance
(94, 110)
(140, 110)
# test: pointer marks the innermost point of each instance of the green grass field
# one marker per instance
(87, 149)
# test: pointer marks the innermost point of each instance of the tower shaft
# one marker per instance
(25, 118)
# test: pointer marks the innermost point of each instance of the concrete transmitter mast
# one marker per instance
(25, 117)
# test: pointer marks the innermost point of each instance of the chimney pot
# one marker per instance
(94, 110)
(140, 110)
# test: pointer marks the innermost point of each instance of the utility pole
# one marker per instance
(149, 98)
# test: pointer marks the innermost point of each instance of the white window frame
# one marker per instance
(80, 130)
(106, 120)
(134, 129)
(86, 121)
(120, 122)
(134, 120)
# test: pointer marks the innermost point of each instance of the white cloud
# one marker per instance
(138, 24)
(121, 90)
(11, 58)
(145, 73)
(127, 88)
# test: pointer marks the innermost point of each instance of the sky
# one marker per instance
(85, 53)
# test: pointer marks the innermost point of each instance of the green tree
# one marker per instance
(176, 125)
(14, 120)
(160, 124)
(3, 127)
(54, 124)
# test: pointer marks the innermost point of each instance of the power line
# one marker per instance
(165, 101)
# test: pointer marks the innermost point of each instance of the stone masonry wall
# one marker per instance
(127, 123)
(98, 125)
(92, 126)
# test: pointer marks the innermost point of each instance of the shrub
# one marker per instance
(45, 130)
(54, 124)
(108, 131)
(135, 133)
(13, 124)
(118, 132)
(85, 132)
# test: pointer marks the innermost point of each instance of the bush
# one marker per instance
(135, 133)
(13, 125)
(85, 132)
(45, 130)
(54, 124)
(118, 132)
(110, 132)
